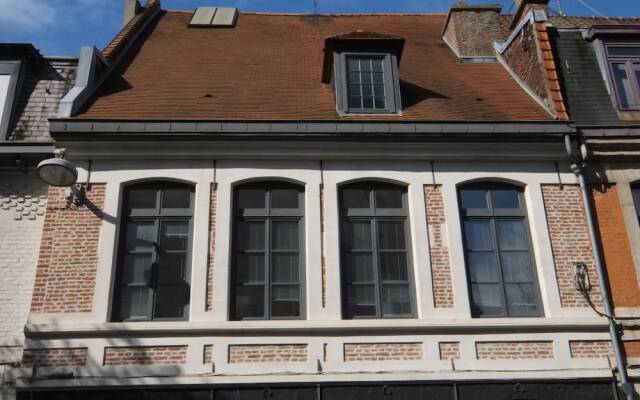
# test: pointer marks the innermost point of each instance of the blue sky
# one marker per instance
(61, 27)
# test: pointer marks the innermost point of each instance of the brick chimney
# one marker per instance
(131, 9)
(471, 29)
(524, 6)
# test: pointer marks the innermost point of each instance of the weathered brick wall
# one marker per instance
(207, 357)
(66, 272)
(382, 351)
(590, 348)
(471, 31)
(514, 350)
(523, 57)
(439, 251)
(616, 249)
(145, 355)
(449, 350)
(267, 353)
(212, 246)
(632, 348)
(67, 357)
(570, 242)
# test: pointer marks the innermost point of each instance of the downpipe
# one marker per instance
(579, 157)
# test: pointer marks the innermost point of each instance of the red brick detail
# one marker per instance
(632, 348)
(382, 352)
(514, 350)
(616, 249)
(439, 251)
(65, 357)
(449, 350)
(66, 271)
(471, 31)
(145, 355)
(207, 356)
(267, 353)
(590, 348)
(212, 246)
(570, 242)
(551, 71)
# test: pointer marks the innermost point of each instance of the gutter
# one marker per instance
(579, 158)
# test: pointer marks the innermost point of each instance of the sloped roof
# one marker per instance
(568, 22)
(269, 67)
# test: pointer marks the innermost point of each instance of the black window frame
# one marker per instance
(628, 61)
(391, 83)
(375, 215)
(13, 69)
(492, 214)
(635, 193)
(268, 215)
(157, 216)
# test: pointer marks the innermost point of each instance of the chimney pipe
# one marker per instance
(524, 6)
(131, 9)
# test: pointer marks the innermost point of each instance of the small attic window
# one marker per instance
(213, 17)
(366, 83)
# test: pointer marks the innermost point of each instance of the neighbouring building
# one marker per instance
(31, 86)
(318, 206)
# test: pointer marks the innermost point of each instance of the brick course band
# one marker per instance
(514, 350)
(212, 246)
(68, 357)
(66, 271)
(267, 353)
(570, 242)
(590, 348)
(449, 350)
(438, 250)
(145, 355)
(382, 352)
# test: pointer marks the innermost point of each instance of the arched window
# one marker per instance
(377, 281)
(268, 264)
(500, 263)
(155, 253)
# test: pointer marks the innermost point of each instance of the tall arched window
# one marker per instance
(154, 257)
(500, 263)
(268, 263)
(377, 281)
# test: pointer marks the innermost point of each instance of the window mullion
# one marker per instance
(376, 266)
(498, 252)
(635, 85)
(155, 259)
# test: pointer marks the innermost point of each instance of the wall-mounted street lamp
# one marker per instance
(61, 173)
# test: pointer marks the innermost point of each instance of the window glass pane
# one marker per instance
(474, 198)
(511, 235)
(487, 300)
(516, 266)
(249, 302)
(378, 79)
(143, 199)
(285, 235)
(354, 77)
(505, 198)
(135, 302)
(136, 269)
(483, 267)
(367, 102)
(170, 301)
(361, 300)
(174, 235)
(478, 235)
(367, 90)
(176, 198)
(365, 64)
(250, 235)
(377, 64)
(359, 267)
(172, 268)
(380, 103)
(251, 198)
(623, 84)
(358, 235)
(355, 90)
(396, 300)
(391, 235)
(354, 64)
(355, 102)
(140, 236)
(285, 198)
(389, 197)
(521, 299)
(623, 51)
(393, 267)
(250, 268)
(355, 197)
(285, 301)
(285, 268)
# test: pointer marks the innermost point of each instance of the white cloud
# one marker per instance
(26, 14)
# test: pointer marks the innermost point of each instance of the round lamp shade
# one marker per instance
(57, 172)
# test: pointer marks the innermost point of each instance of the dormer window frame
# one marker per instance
(390, 78)
(628, 62)
(11, 68)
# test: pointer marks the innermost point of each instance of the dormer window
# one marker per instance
(368, 86)
(624, 64)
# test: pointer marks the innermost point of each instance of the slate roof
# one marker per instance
(269, 67)
(569, 22)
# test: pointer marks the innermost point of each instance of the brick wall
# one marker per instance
(570, 241)
(523, 57)
(471, 30)
(590, 348)
(68, 357)
(382, 351)
(449, 350)
(66, 271)
(438, 249)
(267, 353)
(145, 355)
(514, 350)
(632, 348)
(616, 249)
(212, 246)
(207, 357)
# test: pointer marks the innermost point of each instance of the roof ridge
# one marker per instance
(111, 50)
(294, 14)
